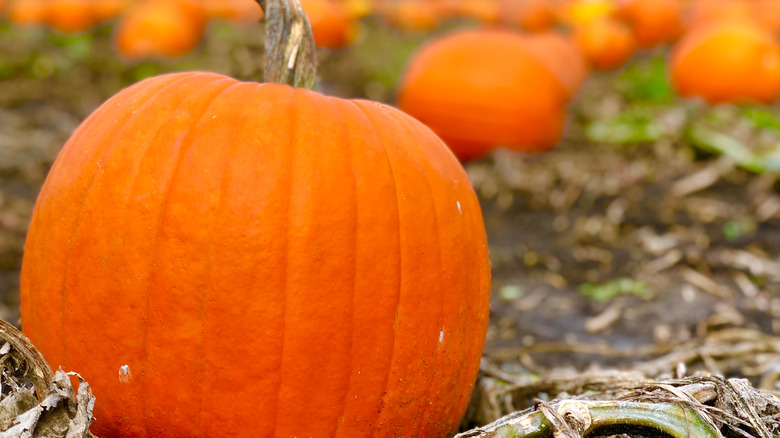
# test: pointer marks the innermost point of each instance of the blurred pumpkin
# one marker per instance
(412, 15)
(484, 11)
(763, 12)
(66, 16)
(236, 11)
(573, 13)
(607, 44)
(27, 12)
(359, 8)
(653, 22)
(332, 25)
(481, 89)
(159, 28)
(703, 11)
(109, 9)
(727, 61)
(560, 54)
(447, 8)
(768, 13)
(70, 16)
(531, 15)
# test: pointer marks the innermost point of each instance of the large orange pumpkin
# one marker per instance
(233, 259)
(480, 89)
(727, 61)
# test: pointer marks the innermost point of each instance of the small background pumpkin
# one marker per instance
(159, 28)
(482, 89)
(607, 44)
(727, 61)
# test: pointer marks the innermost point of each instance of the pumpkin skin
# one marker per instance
(735, 61)
(236, 11)
(27, 12)
(560, 53)
(412, 15)
(266, 261)
(654, 22)
(66, 16)
(531, 15)
(71, 16)
(332, 25)
(607, 44)
(481, 89)
(159, 29)
(704, 11)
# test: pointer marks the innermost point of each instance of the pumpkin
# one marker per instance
(763, 12)
(26, 12)
(480, 89)
(727, 61)
(531, 15)
(573, 13)
(109, 9)
(237, 11)
(768, 13)
(561, 55)
(159, 29)
(607, 44)
(484, 11)
(653, 22)
(70, 16)
(67, 16)
(412, 15)
(358, 8)
(331, 23)
(702, 11)
(224, 258)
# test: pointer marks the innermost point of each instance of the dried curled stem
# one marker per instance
(32, 365)
(34, 401)
(291, 56)
(555, 420)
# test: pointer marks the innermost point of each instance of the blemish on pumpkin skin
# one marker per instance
(441, 336)
(124, 374)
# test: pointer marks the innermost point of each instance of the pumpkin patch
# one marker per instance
(225, 219)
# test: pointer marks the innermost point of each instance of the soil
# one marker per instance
(610, 251)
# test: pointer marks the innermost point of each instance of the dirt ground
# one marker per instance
(633, 241)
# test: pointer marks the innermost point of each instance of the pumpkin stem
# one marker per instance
(291, 56)
(31, 363)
